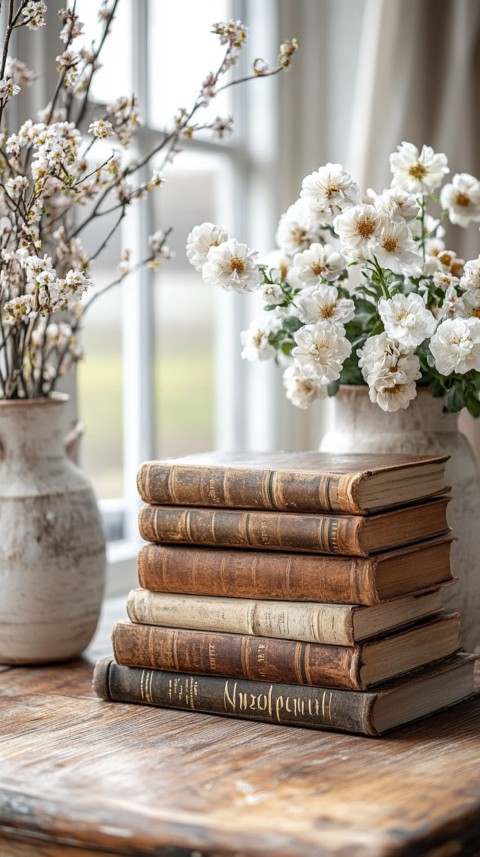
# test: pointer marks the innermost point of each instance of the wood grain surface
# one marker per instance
(79, 776)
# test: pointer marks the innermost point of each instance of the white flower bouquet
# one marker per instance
(362, 289)
(53, 185)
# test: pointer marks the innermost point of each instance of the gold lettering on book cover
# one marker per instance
(212, 656)
(235, 700)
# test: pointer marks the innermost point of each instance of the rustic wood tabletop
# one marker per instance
(80, 776)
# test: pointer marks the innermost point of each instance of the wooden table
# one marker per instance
(79, 777)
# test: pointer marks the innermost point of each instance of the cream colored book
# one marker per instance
(335, 624)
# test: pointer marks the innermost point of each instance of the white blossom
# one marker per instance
(456, 346)
(470, 280)
(272, 293)
(406, 319)
(278, 263)
(33, 14)
(461, 198)
(19, 72)
(322, 303)
(302, 391)
(255, 343)
(453, 305)
(320, 262)
(232, 266)
(418, 172)
(395, 249)
(8, 89)
(295, 230)
(200, 240)
(357, 228)
(397, 204)
(392, 391)
(433, 233)
(101, 129)
(320, 351)
(328, 191)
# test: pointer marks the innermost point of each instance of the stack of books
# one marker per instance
(294, 588)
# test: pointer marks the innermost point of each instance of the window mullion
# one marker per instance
(138, 305)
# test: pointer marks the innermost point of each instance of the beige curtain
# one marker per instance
(419, 80)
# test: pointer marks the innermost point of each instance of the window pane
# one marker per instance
(100, 382)
(196, 190)
(114, 78)
(182, 51)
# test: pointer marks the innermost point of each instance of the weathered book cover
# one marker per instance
(312, 622)
(267, 659)
(368, 713)
(287, 531)
(288, 481)
(294, 577)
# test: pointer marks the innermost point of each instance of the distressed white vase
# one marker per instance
(52, 547)
(357, 425)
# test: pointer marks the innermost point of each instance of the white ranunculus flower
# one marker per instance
(406, 319)
(272, 293)
(319, 262)
(302, 391)
(471, 304)
(418, 172)
(328, 191)
(357, 228)
(395, 249)
(232, 266)
(381, 354)
(461, 198)
(453, 305)
(255, 343)
(397, 204)
(470, 279)
(456, 346)
(392, 391)
(279, 263)
(200, 240)
(295, 230)
(320, 351)
(322, 303)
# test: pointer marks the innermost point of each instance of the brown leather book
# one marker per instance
(292, 481)
(267, 659)
(294, 576)
(355, 535)
(368, 713)
(312, 622)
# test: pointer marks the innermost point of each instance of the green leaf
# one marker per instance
(454, 399)
(333, 388)
(473, 406)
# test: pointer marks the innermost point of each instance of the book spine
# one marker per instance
(313, 623)
(258, 574)
(232, 487)
(335, 534)
(285, 704)
(237, 656)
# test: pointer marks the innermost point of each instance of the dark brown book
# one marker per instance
(369, 713)
(312, 622)
(355, 535)
(294, 577)
(292, 481)
(267, 659)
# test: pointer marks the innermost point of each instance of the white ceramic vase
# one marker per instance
(52, 547)
(423, 429)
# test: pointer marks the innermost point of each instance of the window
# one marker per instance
(162, 374)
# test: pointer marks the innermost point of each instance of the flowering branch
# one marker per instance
(47, 174)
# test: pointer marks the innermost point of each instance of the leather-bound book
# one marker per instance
(292, 481)
(369, 713)
(294, 576)
(267, 659)
(356, 535)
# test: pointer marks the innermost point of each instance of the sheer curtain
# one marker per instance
(419, 80)
(369, 75)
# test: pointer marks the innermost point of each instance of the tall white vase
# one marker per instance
(423, 429)
(52, 547)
